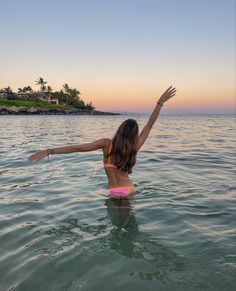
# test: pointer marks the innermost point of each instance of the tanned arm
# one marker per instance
(170, 92)
(86, 147)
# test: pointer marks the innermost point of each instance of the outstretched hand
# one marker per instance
(38, 156)
(169, 93)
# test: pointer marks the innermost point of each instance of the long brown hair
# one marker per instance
(125, 145)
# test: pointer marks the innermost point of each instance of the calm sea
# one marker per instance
(59, 230)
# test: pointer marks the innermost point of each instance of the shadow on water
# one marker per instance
(125, 226)
(146, 258)
(126, 238)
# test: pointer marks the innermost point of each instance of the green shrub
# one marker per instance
(41, 104)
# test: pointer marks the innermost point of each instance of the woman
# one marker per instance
(119, 154)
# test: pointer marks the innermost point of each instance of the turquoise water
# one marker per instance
(59, 230)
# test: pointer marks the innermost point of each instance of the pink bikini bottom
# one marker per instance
(118, 192)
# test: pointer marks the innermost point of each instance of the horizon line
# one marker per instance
(174, 113)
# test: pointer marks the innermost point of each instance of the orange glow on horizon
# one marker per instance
(134, 96)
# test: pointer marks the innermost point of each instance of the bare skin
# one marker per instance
(116, 177)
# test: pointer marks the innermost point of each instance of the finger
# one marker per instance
(169, 89)
(172, 91)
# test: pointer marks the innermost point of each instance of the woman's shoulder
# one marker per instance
(107, 146)
(105, 142)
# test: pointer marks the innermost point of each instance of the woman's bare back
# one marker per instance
(116, 177)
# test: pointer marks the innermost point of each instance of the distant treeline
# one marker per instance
(67, 96)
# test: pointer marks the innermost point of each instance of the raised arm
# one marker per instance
(86, 147)
(170, 92)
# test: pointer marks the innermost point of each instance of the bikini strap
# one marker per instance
(109, 158)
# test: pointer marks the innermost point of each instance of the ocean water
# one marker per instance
(60, 231)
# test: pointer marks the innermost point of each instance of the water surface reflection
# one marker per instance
(128, 240)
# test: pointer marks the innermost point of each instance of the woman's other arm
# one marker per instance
(170, 92)
(86, 147)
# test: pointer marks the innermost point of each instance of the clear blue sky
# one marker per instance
(124, 51)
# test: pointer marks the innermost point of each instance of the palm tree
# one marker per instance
(72, 94)
(67, 90)
(49, 89)
(42, 84)
(28, 89)
(9, 93)
(7, 90)
(20, 90)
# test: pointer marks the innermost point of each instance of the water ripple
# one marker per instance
(60, 231)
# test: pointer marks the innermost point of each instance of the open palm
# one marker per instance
(169, 93)
(38, 156)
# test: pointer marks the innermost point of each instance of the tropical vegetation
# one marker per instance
(68, 97)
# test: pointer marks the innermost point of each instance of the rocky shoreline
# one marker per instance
(13, 110)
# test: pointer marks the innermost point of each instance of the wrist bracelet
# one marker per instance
(160, 103)
(50, 152)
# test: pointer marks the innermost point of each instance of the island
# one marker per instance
(27, 101)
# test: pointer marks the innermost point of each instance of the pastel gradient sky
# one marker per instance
(122, 54)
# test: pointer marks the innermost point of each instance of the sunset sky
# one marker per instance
(122, 54)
